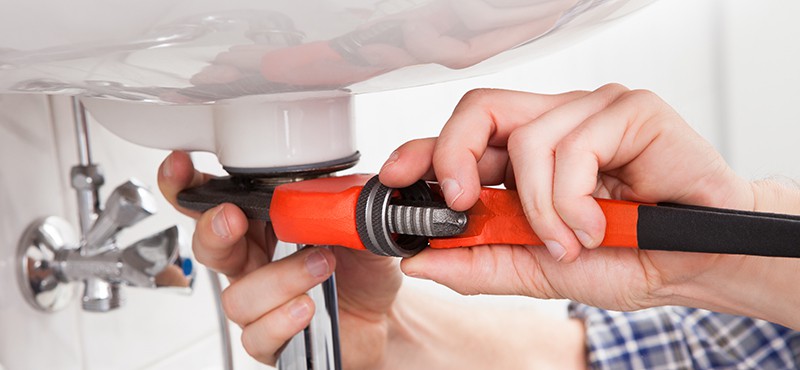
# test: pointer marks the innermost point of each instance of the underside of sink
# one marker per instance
(197, 52)
(267, 84)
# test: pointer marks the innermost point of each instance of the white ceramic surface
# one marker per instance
(204, 50)
(269, 69)
(249, 132)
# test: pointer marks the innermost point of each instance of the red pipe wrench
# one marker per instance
(358, 212)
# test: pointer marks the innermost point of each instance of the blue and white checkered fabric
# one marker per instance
(677, 338)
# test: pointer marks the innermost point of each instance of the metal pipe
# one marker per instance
(81, 132)
(86, 178)
(317, 347)
(332, 308)
(98, 295)
(224, 330)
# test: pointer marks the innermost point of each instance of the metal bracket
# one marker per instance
(38, 268)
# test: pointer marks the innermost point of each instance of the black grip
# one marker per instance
(673, 227)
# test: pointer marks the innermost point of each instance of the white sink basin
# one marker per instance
(221, 56)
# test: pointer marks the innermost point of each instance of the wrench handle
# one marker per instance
(498, 218)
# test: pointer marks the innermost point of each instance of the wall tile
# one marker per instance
(31, 187)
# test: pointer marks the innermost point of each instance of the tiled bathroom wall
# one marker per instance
(153, 329)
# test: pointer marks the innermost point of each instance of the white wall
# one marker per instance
(761, 80)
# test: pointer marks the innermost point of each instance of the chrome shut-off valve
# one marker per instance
(52, 259)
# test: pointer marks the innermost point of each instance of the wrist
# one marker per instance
(759, 287)
(776, 195)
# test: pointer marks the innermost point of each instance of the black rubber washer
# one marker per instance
(373, 227)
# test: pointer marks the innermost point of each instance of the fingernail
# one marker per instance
(219, 224)
(299, 310)
(452, 190)
(556, 249)
(317, 264)
(392, 158)
(585, 239)
(166, 169)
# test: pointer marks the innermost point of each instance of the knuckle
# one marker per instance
(282, 287)
(566, 207)
(613, 88)
(577, 144)
(230, 305)
(251, 346)
(642, 97)
(539, 210)
(477, 96)
(562, 202)
(523, 137)
(199, 250)
(286, 283)
(441, 157)
(419, 142)
(572, 142)
(516, 138)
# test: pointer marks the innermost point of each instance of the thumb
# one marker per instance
(496, 269)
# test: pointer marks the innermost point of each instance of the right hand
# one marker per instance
(558, 151)
(267, 299)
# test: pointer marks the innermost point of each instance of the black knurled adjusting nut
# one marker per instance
(372, 223)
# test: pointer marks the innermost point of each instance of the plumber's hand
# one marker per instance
(558, 151)
(267, 299)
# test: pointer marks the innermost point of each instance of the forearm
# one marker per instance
(430, 332)
(760, 287)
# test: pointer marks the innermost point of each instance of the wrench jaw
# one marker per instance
(399, 222)
(373, 219)
(354, 211)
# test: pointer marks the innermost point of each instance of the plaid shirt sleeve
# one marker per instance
(684, 338)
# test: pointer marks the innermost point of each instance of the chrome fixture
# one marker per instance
(316, 347)
(52, 259)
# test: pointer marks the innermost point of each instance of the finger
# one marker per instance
(177, 173)
(412, 162)
(219, 241)
(481, 119)
(531, 149)
(485, 269)
(409, 163)
(587, 149)
(264, 338)
(276, 283)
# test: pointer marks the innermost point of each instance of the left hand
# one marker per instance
(268, 298)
